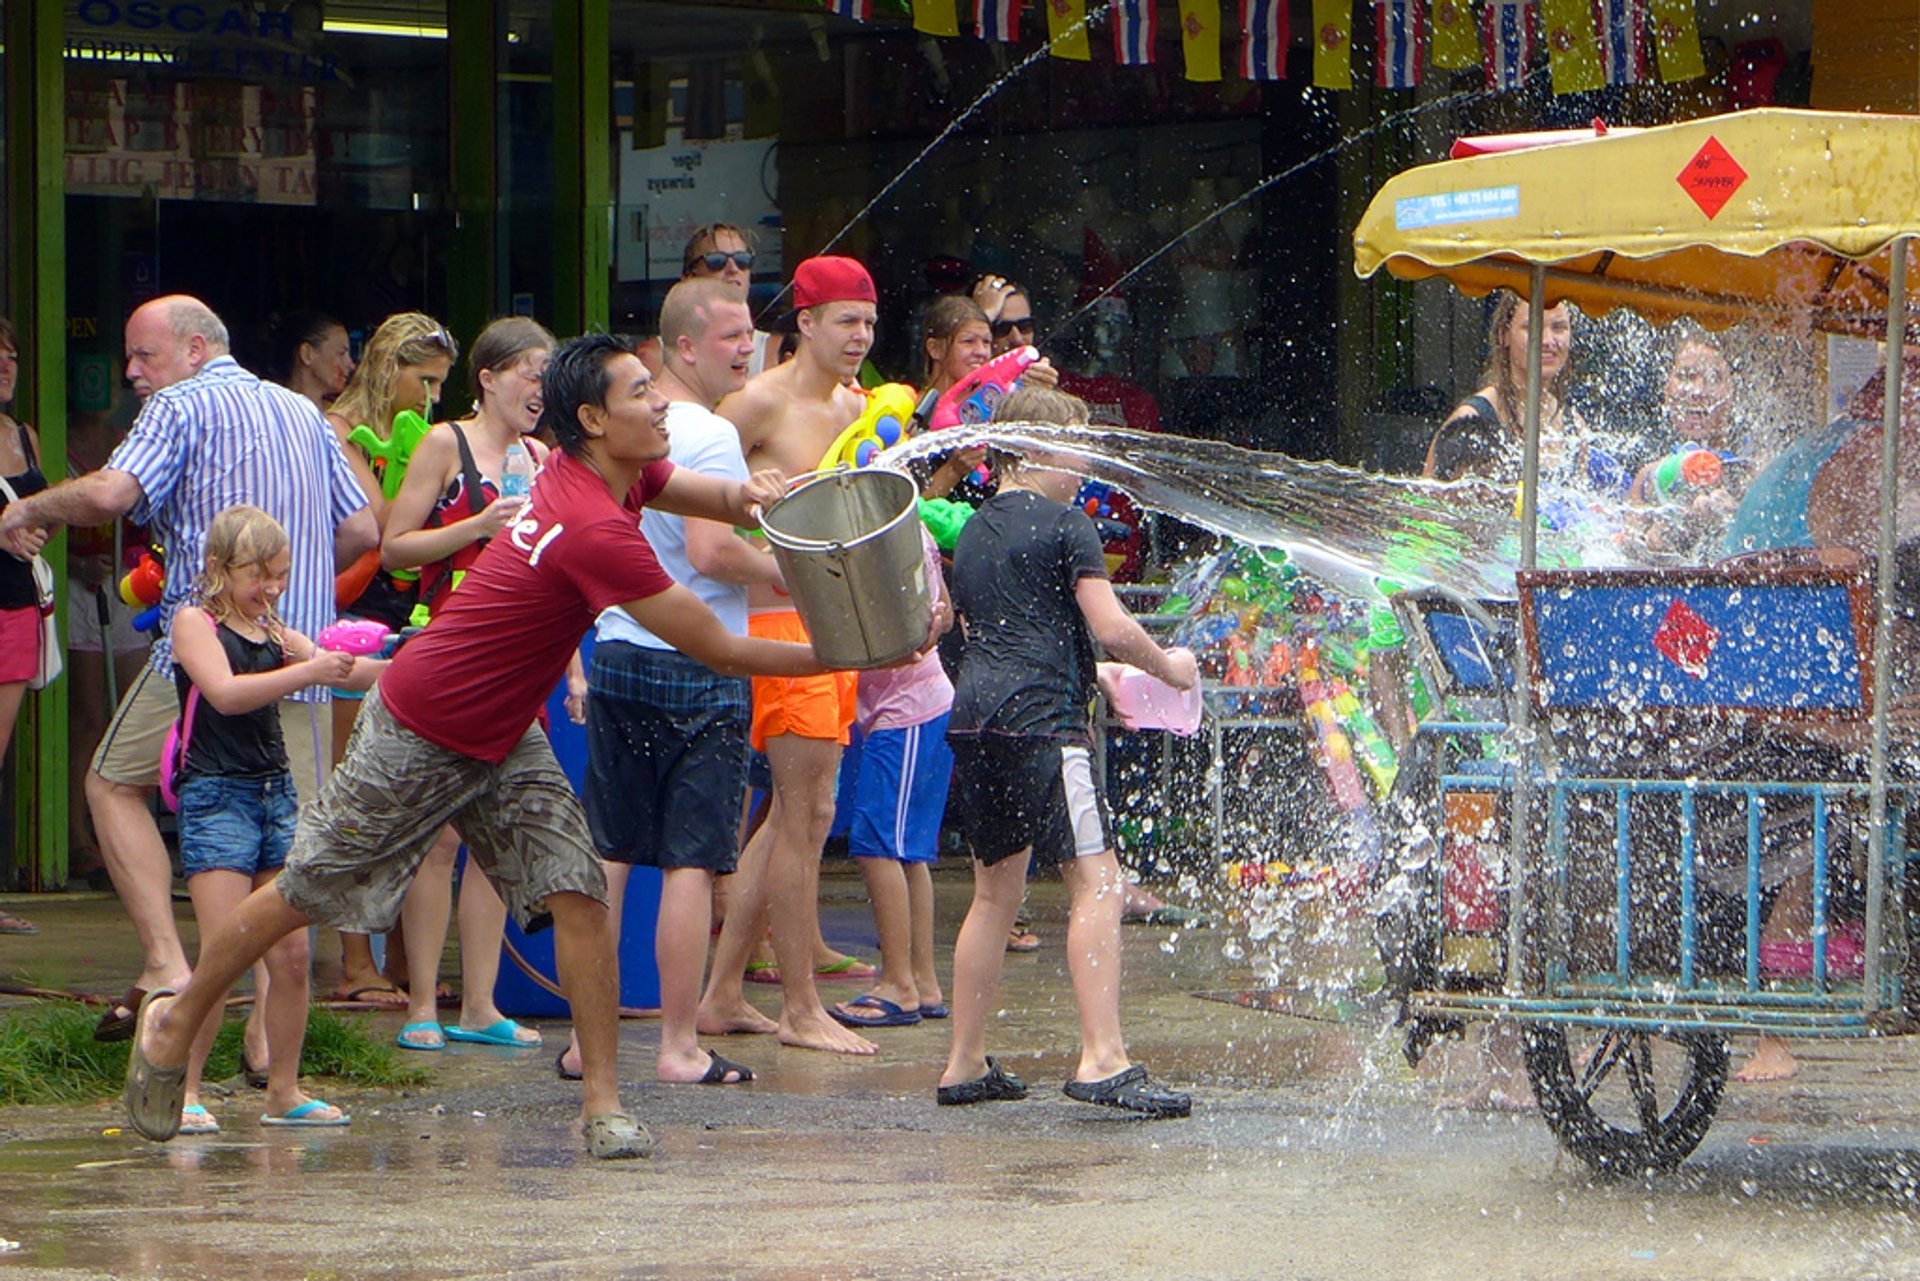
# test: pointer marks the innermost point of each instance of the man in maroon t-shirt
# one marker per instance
(449, 733)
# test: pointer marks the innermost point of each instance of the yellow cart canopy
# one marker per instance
(1724, 219)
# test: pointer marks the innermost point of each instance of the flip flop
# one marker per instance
(615, 1136)
(560, 1068)
(11, 924)
(115, 1026)
(1168, 915)
(762, 972)
(195, 1119)
(505, 1032)
(889, 1014)
(153, 1095)
(360, 996)
(255, 1078)
(1131, 1091)
(935, 1010)
(718, 1069)
(439, 1042)
(847, 967)
(1019, 940)
(303, 1116)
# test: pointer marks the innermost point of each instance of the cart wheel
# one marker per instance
(1625, 1101)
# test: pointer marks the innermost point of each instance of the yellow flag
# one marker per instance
(1573, 45)
(1333, 44)
(1455, 43)
(1200, 38)
(1067, 30)
(1677, 40)
(936, 18)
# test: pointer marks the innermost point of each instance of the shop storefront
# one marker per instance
(1184, 239)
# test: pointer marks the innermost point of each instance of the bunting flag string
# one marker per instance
(1677, 40)
(1623, 40)
(1067, 30)
(1453, 39)
(1135, 24)
(1400, 43)
(994, 19)
(1573, 50)
(1332, 44)
(1264, 35)
(1200, 39)
(936, 17)
(1507, 30)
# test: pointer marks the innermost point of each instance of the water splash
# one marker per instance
(1351, 529)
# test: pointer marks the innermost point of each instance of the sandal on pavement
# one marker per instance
(505, 1032)
(997, 1086)
(114, 1025)
(615, 1136)
(255, 1077)
(154, 1096)
(11, 924)
(1020, 940)
(439, 1041)
(310, 1114)
(719, 1069)
(1131, 1091)
(560, 1067)
(195, 1119)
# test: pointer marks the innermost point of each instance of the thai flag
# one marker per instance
(1263, 50)
(1622, 25)
(1134, 29)
(994, 19)
(1400, 42)
(1507, 31)
(858, 10)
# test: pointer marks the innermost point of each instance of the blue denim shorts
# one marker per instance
(240, 825)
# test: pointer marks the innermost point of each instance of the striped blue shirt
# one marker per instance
(224, 437)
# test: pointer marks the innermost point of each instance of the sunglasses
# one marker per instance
(717, 261)
(1001, 328)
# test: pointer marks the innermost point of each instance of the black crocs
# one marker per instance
(1131, 1091)
(996, 1086)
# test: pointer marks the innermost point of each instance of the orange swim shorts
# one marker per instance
(809, 706)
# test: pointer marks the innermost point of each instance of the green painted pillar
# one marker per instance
(37, 304)
(582, 166)
(476, 31)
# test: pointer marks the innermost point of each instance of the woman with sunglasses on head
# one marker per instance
(404, 366)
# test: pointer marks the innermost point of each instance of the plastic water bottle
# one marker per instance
(516, 473)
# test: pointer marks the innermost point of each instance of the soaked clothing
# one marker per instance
(468, 495)
(243, 745)
(1028, 665)
(1774, 511)
(17, 590)
(1476, 443)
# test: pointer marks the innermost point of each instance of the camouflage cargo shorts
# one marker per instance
(358, 846)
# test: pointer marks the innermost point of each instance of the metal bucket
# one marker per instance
(848, 543)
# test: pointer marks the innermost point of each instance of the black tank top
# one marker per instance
(16, 576)
(245, 746)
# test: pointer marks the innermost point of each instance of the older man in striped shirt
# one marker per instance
(209, 436)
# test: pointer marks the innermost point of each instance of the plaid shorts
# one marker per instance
(358, 846)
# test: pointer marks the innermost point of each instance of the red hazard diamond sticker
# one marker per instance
(1711, 177)
(1686, 639)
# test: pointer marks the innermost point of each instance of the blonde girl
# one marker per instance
(234, 660)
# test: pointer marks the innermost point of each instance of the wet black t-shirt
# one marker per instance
(1028, 665)
(248, 745)
(1476, 444)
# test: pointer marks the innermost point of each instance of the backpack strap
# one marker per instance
(477, 500)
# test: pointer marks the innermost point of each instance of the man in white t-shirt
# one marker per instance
(666, 735)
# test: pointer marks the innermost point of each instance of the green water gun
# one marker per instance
(396, 451)
(944, 519)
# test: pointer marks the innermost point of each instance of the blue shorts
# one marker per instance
(242, 825)
(893, 791)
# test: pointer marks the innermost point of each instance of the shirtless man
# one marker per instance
(788, 417)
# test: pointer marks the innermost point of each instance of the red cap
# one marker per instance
(830, 278)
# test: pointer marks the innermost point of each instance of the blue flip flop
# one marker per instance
(935, 1010)
(304, 1116)
(501, 1033)
(440, 1043)
(887, 1014)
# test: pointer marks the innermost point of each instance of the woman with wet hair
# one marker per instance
(1484, 435)
(313, 355)
(448, 509)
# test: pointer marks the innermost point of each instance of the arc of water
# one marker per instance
(1344, 144)
(952, 128)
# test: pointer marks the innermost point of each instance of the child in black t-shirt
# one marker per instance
(1030, 586)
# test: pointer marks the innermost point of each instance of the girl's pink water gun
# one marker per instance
(360, 637)
(971, 400)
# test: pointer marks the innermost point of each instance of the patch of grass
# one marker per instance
(48, 1055)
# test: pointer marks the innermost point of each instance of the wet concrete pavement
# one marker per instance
(1313, 1152)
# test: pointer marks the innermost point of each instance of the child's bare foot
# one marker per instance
(741, 1018)
(1771, 1061)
